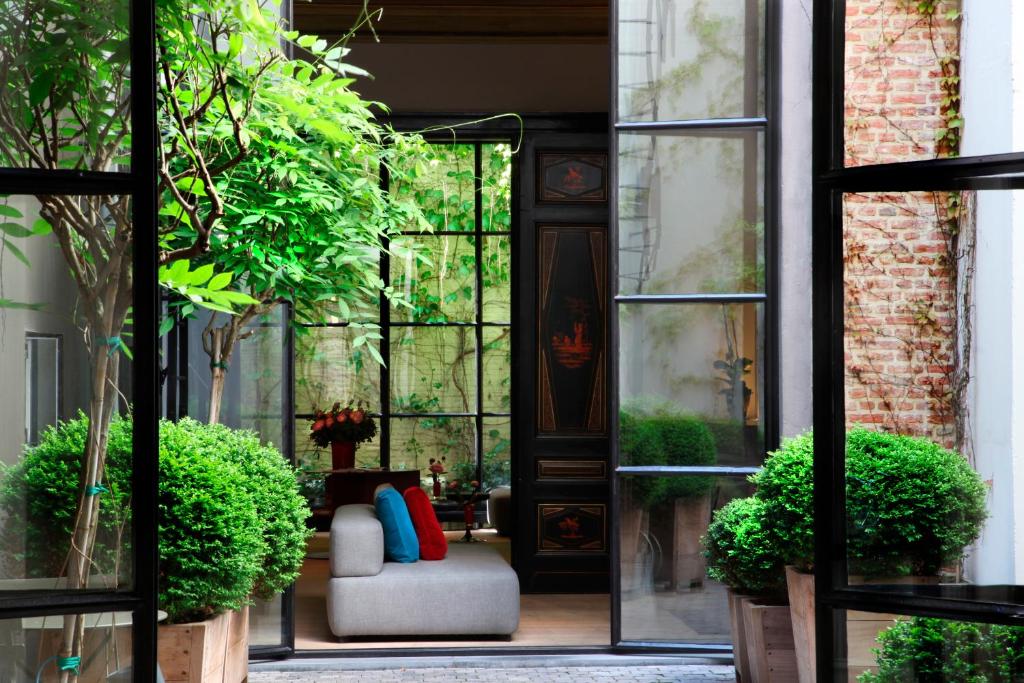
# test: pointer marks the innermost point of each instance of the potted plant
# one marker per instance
(740, 554)
(935, 649)
(342, 429)
(232, 528)
(912, 505)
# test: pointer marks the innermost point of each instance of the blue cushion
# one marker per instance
(400, 542)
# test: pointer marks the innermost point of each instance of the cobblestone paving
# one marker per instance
(684, 673)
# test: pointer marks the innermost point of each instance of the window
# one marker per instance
(43, 383)
(444, 390)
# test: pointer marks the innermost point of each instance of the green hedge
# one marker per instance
(232, 520)
(922, 650)
(739, 550)
(665, 439)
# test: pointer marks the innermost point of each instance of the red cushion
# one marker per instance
(433, 544)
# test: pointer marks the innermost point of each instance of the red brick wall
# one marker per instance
(900, 302)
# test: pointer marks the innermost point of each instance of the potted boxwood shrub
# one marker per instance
(740, 554)
(232, 527)
(923, 649)
(912, 505)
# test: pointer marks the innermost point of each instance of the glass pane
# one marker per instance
(315, 461)
(65, 93)
(52, 381)
(415, 440)
(497, 386)
(436, 278)
(497, 460)
(691, 384)
(666, 593)
(931, 342)
(691, 213)
(433, 369)
(442, 186)
(895, 647)
(690, 60)
(924, 84)
(329, 368)
(497, 276)
(29, 647)
(496, 202)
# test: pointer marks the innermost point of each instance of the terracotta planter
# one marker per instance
(691, 518)
(862, 628)
(741, 661)
(770, 649)
(211, 651)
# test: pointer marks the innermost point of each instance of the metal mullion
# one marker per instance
(17, 604)
(385, 343)
(483, 413)
(35, 181)
(924, 171)
(738, 298)
(924, 606)
(737, 123)
(684, 470)
(478, 214)
(456, 233)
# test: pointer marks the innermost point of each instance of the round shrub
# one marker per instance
(640, 444)
(740, 552)
(39, 493)
(912, 505)
(211, 539)
(686, 441)
(926, 650)
(271, 483)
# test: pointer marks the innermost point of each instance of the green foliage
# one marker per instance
(913, 506)
(270, 481)
(39, 493)
(232, 521)
(740, 550)
(926, 650)
(650, 435)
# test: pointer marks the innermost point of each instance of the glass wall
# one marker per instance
(443, 390)
(693, 333)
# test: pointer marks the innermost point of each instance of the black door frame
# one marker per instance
(141, 183)
(991, 604)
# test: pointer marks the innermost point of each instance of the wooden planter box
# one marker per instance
(741, 661)
(690, 520)
(211, 651)
(862, 628)
(768, 631)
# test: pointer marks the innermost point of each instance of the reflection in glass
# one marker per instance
(415, 440)
(433, 369)
(42, 384)
(700, 363)
(435, 277)
(690, 59)
(329, 368)
(691, 213)
(29, 647)
(665, 591)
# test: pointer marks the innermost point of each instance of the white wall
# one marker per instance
(992, 81)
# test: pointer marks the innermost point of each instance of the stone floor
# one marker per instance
(493, 670)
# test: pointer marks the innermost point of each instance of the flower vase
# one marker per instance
(343, 455)
(437, 489)
(469, 517)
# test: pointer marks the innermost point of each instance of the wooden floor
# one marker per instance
(544, 620)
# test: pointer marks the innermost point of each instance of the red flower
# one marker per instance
(453, 483)
(318, 425)
(437, 468)
(341, 418)
(475, 484)
(357, 416)
(329, 422)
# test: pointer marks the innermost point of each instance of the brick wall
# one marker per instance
(900, 299)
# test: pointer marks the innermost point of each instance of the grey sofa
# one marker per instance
(472, 591)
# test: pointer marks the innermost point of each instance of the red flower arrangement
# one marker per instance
(348, 424)
(465, 493)
(436, 470)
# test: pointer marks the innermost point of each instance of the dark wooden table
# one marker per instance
(345, 487)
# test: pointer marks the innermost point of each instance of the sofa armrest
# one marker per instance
(357, 542)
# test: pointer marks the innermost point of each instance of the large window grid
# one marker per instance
(999, 604)
(478, 324)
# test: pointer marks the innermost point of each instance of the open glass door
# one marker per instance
(694, 316)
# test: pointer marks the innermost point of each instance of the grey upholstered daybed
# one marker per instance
(472, 591)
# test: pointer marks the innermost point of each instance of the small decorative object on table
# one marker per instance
(436, 470)
(342, 428)
(467, 495)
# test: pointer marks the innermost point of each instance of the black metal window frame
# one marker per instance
(767, 126)
(991, 604)
(386, 414)
(141, 184)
